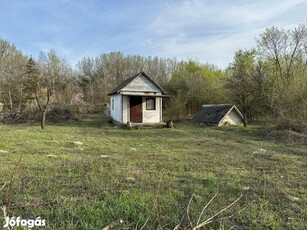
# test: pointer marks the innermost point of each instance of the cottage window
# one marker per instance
(112, 104)
(151, 103)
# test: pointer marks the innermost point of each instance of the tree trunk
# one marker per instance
(20, 98)
(244, 120)
(43, 109)
(43, 119)
(10, 99)
(92, 94)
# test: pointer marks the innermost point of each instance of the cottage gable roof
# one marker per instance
(214, 113)
(125, 84)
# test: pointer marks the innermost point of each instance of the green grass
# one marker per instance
(147, 177)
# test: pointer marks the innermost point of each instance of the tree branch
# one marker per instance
(202, 212)
(209, 220)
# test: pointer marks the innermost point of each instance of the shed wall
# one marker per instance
(148, 116)
(233, 118)
(116, 107)
(140, 84)
(126, 109)
(152, 116)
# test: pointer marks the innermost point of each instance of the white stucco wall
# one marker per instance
(126, 109)
(148, 116)
(152, 116)
(116, 107)
(232, 118)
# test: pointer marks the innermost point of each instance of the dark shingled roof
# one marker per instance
(127, 81)
(212, 114)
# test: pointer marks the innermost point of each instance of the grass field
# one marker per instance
(89, 175)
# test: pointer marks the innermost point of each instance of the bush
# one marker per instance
(19, 117)
(58, 114)
(291, 106)
(55, 115)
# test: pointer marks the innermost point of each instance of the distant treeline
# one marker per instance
(269, 81)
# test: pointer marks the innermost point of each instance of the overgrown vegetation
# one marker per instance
(269, 81)
(89, 175)
(30, 116)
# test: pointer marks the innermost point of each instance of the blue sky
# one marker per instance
(207, 30)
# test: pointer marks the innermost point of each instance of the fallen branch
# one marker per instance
(202, 212)
(209, 220)
(178, 225)
(144, 224)
(3, 186)
(114, 224)
(188, 210)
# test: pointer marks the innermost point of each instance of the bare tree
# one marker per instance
(286, 53)
(45, 81)
(12, 63)
(96, 77)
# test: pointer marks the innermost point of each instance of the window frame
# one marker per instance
(148, 105)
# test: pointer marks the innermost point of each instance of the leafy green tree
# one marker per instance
(245, 82)
(31, 80)
(194, 84)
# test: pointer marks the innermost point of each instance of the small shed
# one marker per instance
(219, 114)
(137, 100)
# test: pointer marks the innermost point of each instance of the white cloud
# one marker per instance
(213, 31)
(208, 30)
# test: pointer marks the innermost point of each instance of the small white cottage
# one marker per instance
(219, 114)
(137, 100)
